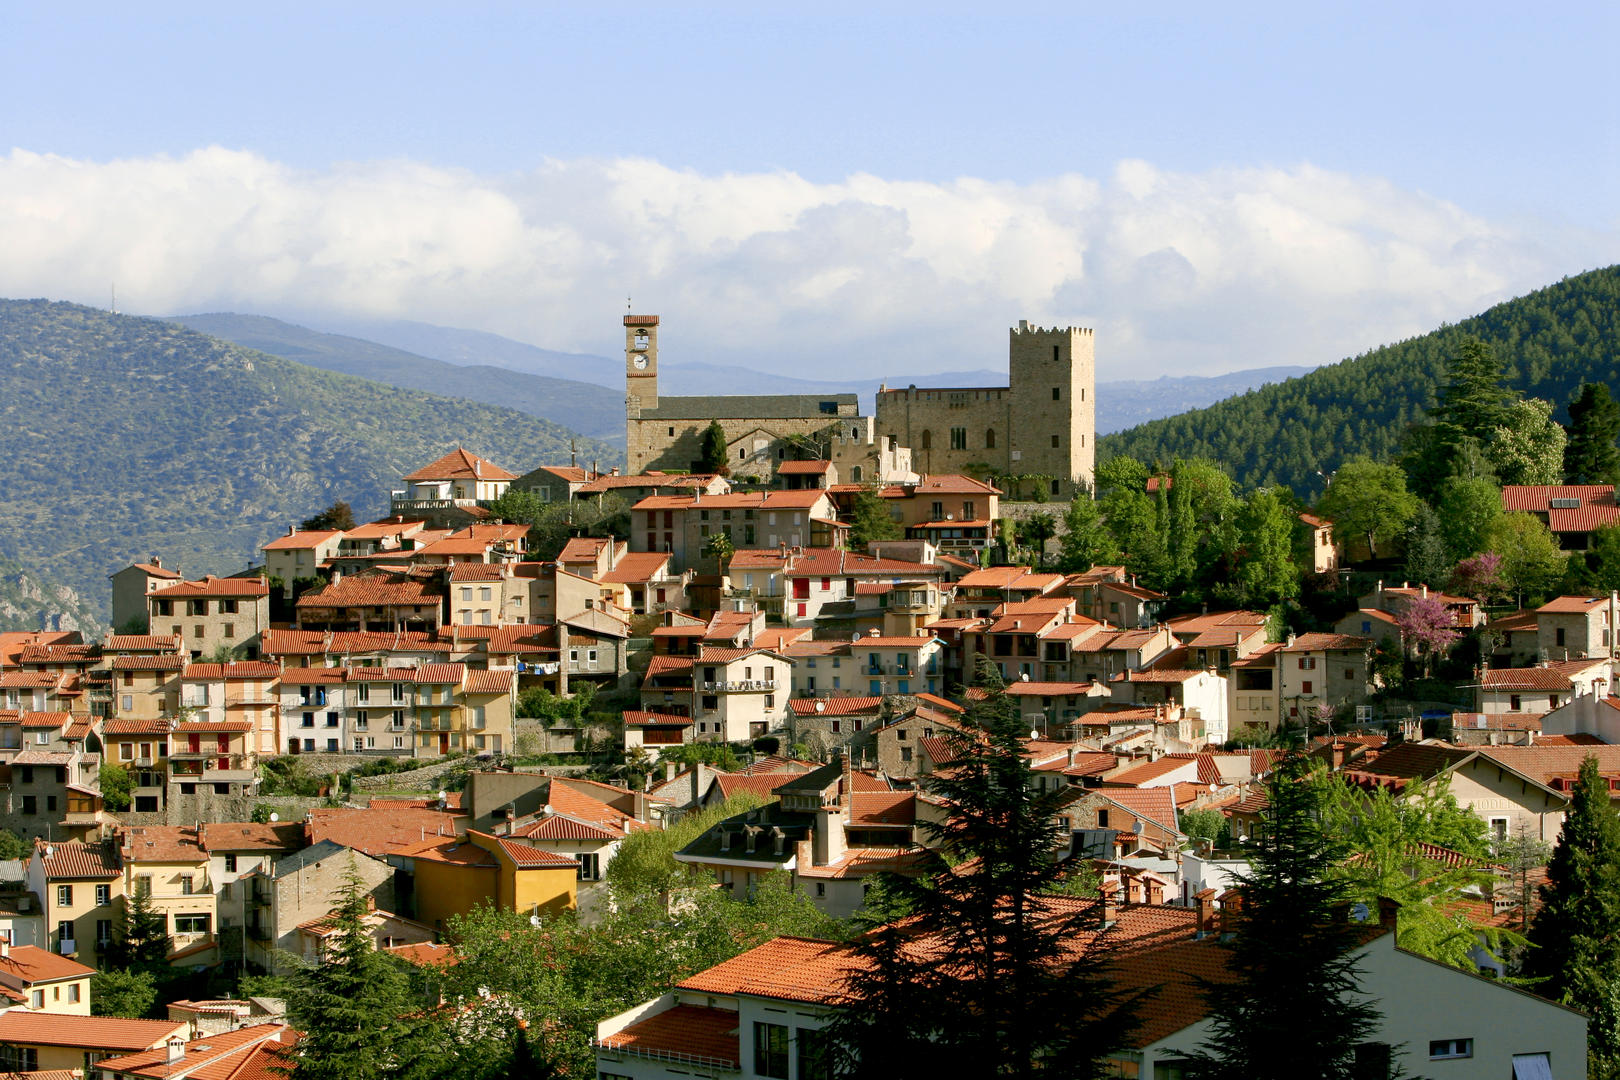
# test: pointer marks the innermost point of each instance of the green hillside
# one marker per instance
(591, 410)
(121, 437)
(1551, 341)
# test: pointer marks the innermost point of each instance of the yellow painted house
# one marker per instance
(452, 877)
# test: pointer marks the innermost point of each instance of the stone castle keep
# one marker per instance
(1041, 424)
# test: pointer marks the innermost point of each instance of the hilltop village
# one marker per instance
(723, 698)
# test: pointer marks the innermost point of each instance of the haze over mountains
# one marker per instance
(586, 392)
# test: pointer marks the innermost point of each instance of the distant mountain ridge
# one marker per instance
(124, 436)
(1120, 403)
(587, 408)
(1299, 431)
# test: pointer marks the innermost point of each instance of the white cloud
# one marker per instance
(1178, 272)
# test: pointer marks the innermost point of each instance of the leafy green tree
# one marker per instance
(1468, 506)
(140, 936)
(1597, 569)
(645, 863)
(13, 846)
(1527, 446)
(1368, 501)
(998, 990)
(870, 520)
(1576, 932)
(1532, 562)
(1426, 557)
(1181, 531)
(1293, 1009)
(1085, 542)
(1387, 858)
(359, 1014)
(1033, 533)
(1204, 825)
(129, 994)
(712, 452)
(1121, 473)
(340, 515)
(1590, 455)
(116, 786)
(1133, 523)
(1266, 567)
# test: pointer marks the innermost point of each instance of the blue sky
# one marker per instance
(1211, 169)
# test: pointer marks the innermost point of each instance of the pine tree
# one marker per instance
(1293, 1010)
(356, 1004)
(1590, 455)
(1576, 933)
(1426, 560)
(1473, 401)
(870, 520)
(140, 938)
(981, 977)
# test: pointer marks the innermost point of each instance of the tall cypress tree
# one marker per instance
(1293, 1010)
(357, 1006)
(981, 977)
(1590, 455)
(1576, 933)
(712, 453)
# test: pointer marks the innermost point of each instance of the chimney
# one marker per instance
(613, 471)
(177, 1050)
(846, 785)
(291, 529)
(157, 562)
(1231, 911)
(1108, 912)
(1388, 911)
(5, 949)
(1206, 913)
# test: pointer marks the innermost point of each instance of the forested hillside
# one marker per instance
(121, 437)
(1295, 432)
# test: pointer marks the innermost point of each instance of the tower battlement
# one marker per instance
(1024, 328)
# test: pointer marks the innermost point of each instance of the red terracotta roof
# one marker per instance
(214, 586)
(163, 843)
(242, 1054)
(533, 858)
(638, 718)
(1594, 504)
(172, 662)
(426, 954)
(835, 706)
(558, 827)
(29, 964)
(73, 859)
(637, 567)
(252, 836)
(373, 589)
(100, 1033)
(688, 1034)
(1327, 642)
(303, 540)
(239, 669)
(460, 464)
(376, 832)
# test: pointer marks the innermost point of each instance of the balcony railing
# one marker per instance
(739, 685)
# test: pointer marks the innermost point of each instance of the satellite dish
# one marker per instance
(274, 818)
(442, 795)
(534, 921)
(1034, 734)
(821, 706)
(1023, 676)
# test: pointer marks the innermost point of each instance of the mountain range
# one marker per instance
(121, 437)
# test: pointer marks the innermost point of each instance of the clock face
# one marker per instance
(640, 362)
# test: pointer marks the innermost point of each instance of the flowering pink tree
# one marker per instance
(1428, 624)
(1479, 576)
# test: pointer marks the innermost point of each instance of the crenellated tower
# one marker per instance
(1053, 376)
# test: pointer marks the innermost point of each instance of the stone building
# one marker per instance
(1042, 423)
(667, 432)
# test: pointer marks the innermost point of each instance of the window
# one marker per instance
(814, 1061)
(989, 438)
(927, 439)
(191, 924)
(126, 751)
(1449, 1049)
(230, 864)
(771, 1050)
(103, 933)
(73, 993)
(19, 1058)
(1057, 393)
(958, 438)
(64, 896)
(230, 629)
(143, 885)
(1054, 442)
(590, 868)
(38, 999)
(1305, 687)
(103, 895)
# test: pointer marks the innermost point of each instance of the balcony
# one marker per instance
(731, 686)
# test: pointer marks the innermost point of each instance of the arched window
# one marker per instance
(927, 439)
(990, 438)
(855, 473)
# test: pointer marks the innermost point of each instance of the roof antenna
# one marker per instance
(115, 298)
(627, 308)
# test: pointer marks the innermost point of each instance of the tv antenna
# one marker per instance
(115, 298)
